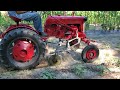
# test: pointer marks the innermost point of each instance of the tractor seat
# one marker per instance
(17, 20)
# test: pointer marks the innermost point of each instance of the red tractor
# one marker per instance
(22, 47)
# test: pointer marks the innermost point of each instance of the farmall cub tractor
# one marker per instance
(22, 47)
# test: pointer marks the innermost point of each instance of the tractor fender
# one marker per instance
(13, 27)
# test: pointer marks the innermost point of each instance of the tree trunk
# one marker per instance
(65, 13)
(73, 13)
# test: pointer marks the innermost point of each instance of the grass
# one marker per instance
(6, 75)
(47, 74)
(102, 69)
(82, 70)
(118, 63)
(79, 70)
(118, 45)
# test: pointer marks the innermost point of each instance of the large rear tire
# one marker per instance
(22, 49)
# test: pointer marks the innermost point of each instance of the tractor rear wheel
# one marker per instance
(90, 53)
(22, 49)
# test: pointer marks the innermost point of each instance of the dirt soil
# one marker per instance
(107, 66)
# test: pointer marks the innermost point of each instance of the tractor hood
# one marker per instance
(65, 19)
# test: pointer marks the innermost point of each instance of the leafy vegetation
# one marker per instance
(78, 69)
(109, 20)
(47, 74)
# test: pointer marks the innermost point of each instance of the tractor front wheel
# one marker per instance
(90, 53)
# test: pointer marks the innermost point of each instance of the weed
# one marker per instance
(78, 69)
(47, 74)
(118, 45)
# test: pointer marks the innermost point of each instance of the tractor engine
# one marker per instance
(65, 27)
(61, 31)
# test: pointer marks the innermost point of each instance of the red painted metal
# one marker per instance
(65, 20)
(12, 27)
(15, 19)
(91, 54)
(65, 27)
(23, 51)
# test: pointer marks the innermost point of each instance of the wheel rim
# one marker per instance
(91, 54)
(22, 50)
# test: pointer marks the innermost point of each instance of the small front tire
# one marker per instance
(90, 53)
